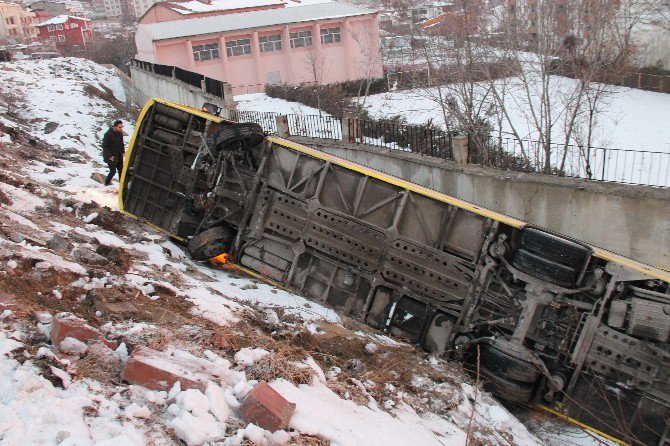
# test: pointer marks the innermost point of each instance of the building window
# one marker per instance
(300, 39)
(59, 27)
(50, 27)
(270, 43)
(52, 38)
(74, 25)
(238, 47)
(10, 20)
(331, 35)
(208, 51)
(61, 38)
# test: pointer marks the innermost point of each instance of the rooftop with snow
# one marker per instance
(60, 19)
(254, 19)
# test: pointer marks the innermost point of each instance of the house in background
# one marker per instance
(319, 43)
(16, 24)
(65, 30)
(44, 10)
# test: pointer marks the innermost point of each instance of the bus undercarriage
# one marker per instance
(554, 320)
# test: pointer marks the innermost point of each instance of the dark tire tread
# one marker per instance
(544, 269)
(554, 248)
(248, 133)
(508, 366)
(211, 243)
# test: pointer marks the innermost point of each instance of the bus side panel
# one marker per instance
(347, 239)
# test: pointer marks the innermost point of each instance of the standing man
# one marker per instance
(113, 150)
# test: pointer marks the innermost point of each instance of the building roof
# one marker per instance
(60, 19)
(250, 20)
(197, 6)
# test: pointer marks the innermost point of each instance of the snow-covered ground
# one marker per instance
(261, 102)
(47, 190)
(631, 119)
(302, 119)
(631, 122)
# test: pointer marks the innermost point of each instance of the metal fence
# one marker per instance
(594, 163)
(211, 86)
(267, 120)
(407, 138)
(312, 126)
(315, 126)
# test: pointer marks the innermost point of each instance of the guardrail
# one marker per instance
(422, 140)
(208, 85)
(593, 163)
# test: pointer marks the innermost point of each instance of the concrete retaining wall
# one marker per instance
(148, 85)
(633, 221)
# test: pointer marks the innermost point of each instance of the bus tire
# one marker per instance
(211, 243)
(248, 134)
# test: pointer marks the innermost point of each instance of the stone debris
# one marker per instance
(69, 326)
(265, 407)
(159, 371)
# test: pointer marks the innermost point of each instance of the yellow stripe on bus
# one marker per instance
(511, 221)
(580, 424)
(598, 252)
(399, 182)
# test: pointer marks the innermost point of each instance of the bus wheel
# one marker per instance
(211, 243)
(247, 134)
(503, 359)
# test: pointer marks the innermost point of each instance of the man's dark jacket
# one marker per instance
(112, 145)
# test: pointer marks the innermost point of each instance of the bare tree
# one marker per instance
(587, 40)
(454, 59)
(367, 65)
(319, 65)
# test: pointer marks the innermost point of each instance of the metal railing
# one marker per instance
(312, 126)
(594, 163)
(423, 140)
(267, 120)
(315, 126)
(208, 85)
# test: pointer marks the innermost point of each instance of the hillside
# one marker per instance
(87, 294)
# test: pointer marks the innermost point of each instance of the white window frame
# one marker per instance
(50, 28)
(300, 39)
(52, 38)
(59, 27)
(270, 43)
(74, 25)
(206, 51)
(331, 35)
(238, 47)
(61, 38)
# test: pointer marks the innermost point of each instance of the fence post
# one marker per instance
(282, 126)
(349, 125)
(203, 85)
(459, 148)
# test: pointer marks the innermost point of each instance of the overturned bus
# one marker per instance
(554, 320)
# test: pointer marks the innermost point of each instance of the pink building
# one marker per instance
(324, 43)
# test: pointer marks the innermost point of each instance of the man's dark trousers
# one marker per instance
(114, 166)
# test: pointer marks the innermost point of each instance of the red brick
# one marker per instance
(74, 327)
(266, 408)
(158, 371)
